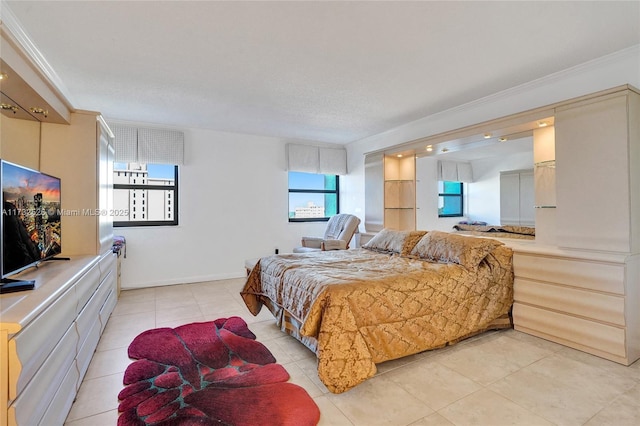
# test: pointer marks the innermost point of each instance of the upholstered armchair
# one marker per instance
(340, 229)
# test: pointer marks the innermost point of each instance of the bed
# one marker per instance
(496, 231)
(404, 292)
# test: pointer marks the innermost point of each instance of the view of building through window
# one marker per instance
(144, 193)
(312, 196)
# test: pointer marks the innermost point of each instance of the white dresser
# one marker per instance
(48, 336)
(585, 300)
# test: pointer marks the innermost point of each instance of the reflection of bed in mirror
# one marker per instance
(496, 231)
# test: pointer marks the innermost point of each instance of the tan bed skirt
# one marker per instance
(291, 326)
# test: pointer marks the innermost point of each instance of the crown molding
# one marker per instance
(432, 124)
(12, 30)
(612, 58)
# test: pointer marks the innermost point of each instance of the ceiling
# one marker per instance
(326, 71)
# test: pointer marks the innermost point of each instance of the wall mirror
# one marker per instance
(504, 158)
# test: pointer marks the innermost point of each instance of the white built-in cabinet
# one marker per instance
(81, 155)
(517, 198)
(48, 335)
(584, 291)
(578, 282)
(598, 173)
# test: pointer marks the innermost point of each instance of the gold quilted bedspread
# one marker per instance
(363, 307)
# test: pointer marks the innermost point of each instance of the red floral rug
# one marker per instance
(209, 373)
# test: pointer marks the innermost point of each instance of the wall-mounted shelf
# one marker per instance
(548, 163)
(399, 192)
(545, 184)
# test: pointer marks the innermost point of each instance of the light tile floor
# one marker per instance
(498, 378)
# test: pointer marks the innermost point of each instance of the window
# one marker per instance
(153, 186)
(451, 197)
(312, 197)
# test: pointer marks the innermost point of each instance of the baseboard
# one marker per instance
(185, 280)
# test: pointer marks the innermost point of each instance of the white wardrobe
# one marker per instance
(517, 198)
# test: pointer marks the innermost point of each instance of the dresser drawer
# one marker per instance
(62, 401)
(87, 319)
(107, 309)
(600, 276)
(86, 286)
(86, 350)
(598, 306)
(107, 265)
(566, 329)
(31, 404)
(34, 343)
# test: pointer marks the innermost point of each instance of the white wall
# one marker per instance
(233, 206)
(233, 199)
(610, 71)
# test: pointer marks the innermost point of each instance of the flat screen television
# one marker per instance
(31, 231)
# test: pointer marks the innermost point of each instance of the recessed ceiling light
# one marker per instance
(399, 155)
(445, 149)
(429, 148)
(542, 124)
(502, 139)
(487, 135)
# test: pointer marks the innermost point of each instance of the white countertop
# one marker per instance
(52, 279)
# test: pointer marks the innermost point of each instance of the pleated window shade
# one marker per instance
(453, 171)
(125, 143)
(151, 146)
(302, 158)
(333, 161)
(313, 159)
(157, 146)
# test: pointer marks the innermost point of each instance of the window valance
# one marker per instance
(148, 145)
(454, 171)
(314, 159)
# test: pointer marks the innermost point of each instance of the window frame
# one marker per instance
(174, 204)
(315, 191)
(450, 195)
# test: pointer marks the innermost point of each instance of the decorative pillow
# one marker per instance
(391, 241)
(446, 247)
(387, 241)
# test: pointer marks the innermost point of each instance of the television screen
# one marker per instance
(30, 217)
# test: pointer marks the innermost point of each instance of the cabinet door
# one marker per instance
(592, 177)
(527, 199)
(105, 191)
(374, 192)
(509, 199)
